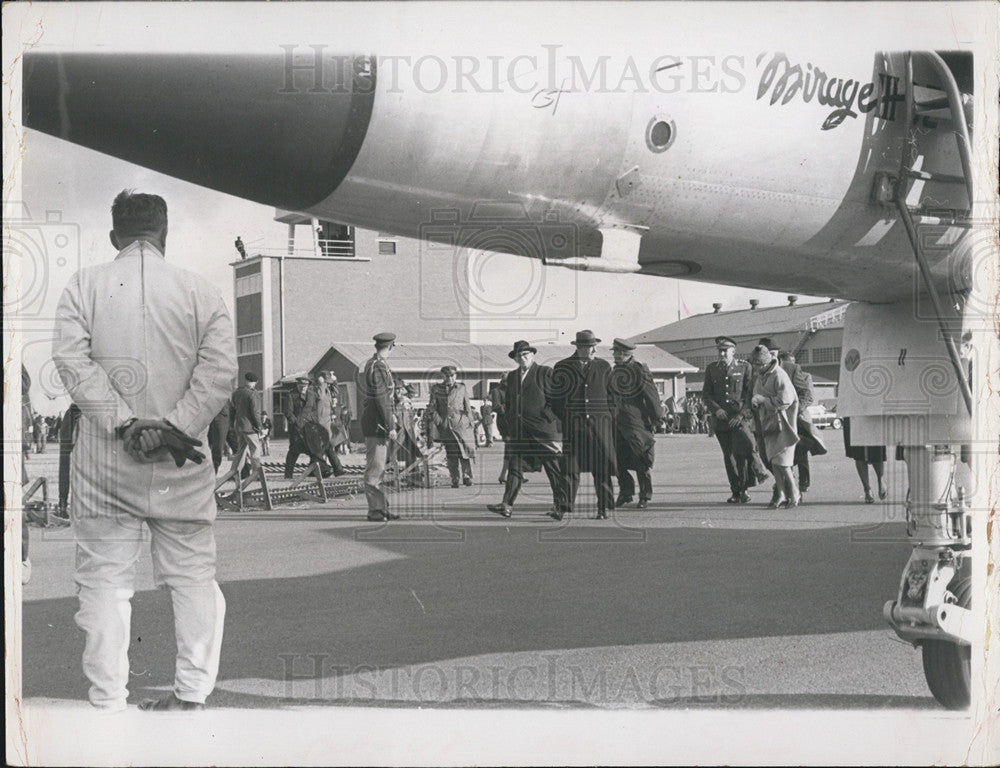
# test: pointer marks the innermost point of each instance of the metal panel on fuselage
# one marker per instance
(773, 195)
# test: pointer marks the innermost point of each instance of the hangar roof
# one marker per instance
(421, 357)
(741, 322)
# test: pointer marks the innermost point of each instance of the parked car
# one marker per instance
(823, 417)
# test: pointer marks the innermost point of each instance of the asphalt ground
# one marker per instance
(692, 604)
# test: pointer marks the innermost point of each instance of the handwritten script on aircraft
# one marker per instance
(849, 97)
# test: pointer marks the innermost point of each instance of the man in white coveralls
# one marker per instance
(147, 351)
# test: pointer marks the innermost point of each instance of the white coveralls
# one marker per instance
(141, 337)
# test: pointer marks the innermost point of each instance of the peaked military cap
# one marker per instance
(628, 346)
(724, 341)
(447, 369)
(384, 338)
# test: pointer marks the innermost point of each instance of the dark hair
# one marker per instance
(783, 356)
(138, 214)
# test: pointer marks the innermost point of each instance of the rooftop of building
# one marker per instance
(745, 322)
(421, 357)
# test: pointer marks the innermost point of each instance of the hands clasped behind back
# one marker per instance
(151, 440)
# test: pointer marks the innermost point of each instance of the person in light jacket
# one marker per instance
(777, 407)
(450, 421)
(146, 350)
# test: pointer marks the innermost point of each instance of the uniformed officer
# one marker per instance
(727, 391)
(378, 424)
(637, 409)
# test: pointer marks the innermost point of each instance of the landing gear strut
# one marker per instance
(932, 610)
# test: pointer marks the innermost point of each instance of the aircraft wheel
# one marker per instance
(837, 424)
(948, 666)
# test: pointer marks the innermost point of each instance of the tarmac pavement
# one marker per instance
(691, 604)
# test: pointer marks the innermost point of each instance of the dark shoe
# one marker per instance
(882, 491)
(170, 704)
(744, 498)
(734, 499)
(622, 500)
(556, 514)
(869, 499)
(455, 483)
(390, 515)
(500, 509)
(467, 481)
(339, 471)
(803, 487)
(643, 503)
(377, 515)
(602, 515)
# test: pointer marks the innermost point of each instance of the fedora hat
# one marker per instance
(519, 347)
(586, 339)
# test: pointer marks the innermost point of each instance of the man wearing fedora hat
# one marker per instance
(378, 424)
(637, 409)
(727, 390)
(532, 428)
(582, 399)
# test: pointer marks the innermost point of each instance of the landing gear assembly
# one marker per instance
(933, 609)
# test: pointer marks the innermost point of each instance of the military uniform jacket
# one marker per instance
(139, 337)
(728, 388)
(376, 389)
(246, 413)
(637, 408)
(582, 399)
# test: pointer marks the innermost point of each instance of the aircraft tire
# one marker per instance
(947, 666)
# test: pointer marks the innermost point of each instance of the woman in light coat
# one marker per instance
(777, 408)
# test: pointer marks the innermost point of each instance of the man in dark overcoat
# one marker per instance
(581, 398)
(532, 431)
(637, 410)
(294, 406)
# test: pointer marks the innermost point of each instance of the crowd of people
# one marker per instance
(131, 454)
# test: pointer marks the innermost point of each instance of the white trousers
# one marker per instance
(183, 552)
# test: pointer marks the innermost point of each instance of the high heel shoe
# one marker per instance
(777, 502)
